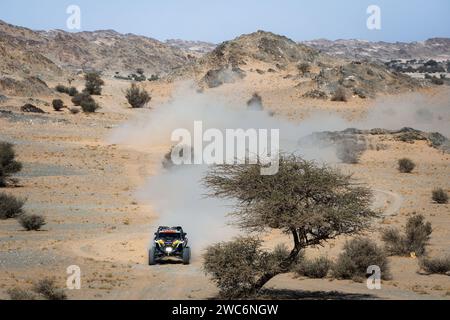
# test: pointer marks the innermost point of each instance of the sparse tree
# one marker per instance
(93, 83)
(8, 164)
(312, 203)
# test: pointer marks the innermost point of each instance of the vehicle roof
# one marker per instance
(169, 231)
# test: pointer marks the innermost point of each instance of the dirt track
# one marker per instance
(86, 189)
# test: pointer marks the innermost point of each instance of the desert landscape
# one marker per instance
(94, 168)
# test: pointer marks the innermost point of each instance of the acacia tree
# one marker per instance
(312, 203)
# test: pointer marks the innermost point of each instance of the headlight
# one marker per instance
(169, 249)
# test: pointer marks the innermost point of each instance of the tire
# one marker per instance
(186, 255)
(151, 257)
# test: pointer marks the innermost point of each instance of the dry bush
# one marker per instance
(74, 110)
(72, 91)
(31, 222)
(8, 164)
(81, 97)
(436, 265)
(89, 106)
(255, 103)
(47, 288)
(61, 89)
(439, 196)
(20, 294)
(340, 95)
(137, 97)
(179, 150)
(57, 104)
(415, 238)
(10, 206)
(406, 165)
(357, 256)
(304, 67)
(317, 268)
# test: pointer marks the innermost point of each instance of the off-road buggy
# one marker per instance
(168, 243)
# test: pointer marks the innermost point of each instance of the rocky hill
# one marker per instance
(435, 48)
(316, 74)
(47, 52)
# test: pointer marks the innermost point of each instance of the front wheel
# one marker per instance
(151, 257)
(186, 255)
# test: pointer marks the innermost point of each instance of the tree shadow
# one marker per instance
(287, 294)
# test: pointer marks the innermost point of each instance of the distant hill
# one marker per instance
(435, 48)
(197, 48)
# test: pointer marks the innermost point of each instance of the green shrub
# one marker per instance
(406, 165)
(436, 265)
(440, 196)
(93, 83)
(357, 256)
(414, 240)
(316, 268)
(137, 97)
(8, 164)
(47, 288)
(57, 104)
(10, 206)
(20, 294)
(31, 222)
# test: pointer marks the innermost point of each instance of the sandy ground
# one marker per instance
(85, 187)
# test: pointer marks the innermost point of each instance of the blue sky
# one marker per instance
(216, 21)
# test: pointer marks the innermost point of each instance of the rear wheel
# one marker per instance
(151, 257)
(186, 255)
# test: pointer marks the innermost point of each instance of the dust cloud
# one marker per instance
(177, 194)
